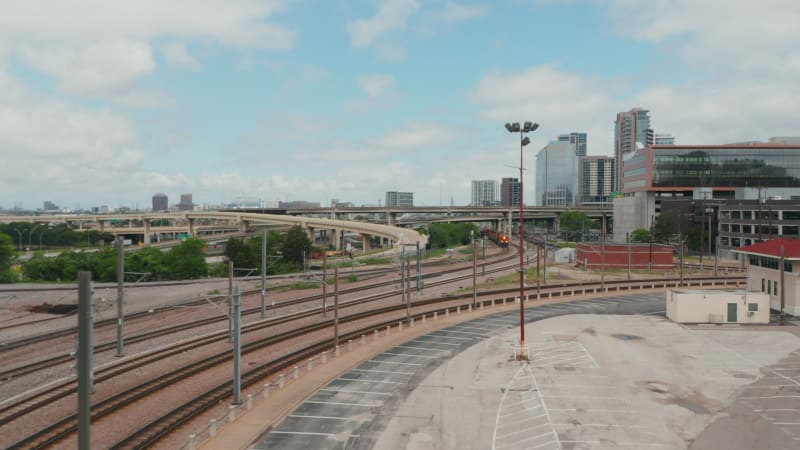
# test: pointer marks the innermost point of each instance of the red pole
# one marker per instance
(522, 353)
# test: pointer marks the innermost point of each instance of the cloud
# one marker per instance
(416, 136)
(721, 35)
(375, 85)
(451, 13)
(98, 69)
(51, 146)
(391, 16)
(176, 54)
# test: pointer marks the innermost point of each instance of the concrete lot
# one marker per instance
(607, 382)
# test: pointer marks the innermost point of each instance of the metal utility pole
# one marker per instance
(335, 306)
(325, 284)
(403, 272)
(120, 295)
(419, 269)
(264, 274)
(230, 301)
(408, 291)
(702, 227)
(650, 263)
(628, 240)
(237, 346)
(483, 256)
(85, 352)
(474, 272)
(538, 284)
(783, 297)
(603, 253)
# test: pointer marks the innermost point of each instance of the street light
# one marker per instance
(527, 127)
(30, 232)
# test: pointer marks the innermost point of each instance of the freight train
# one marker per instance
(499, 238)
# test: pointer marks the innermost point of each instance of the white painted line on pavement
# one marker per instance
(570, 424)
(394, 362)
(298, 416)
(421, 348)
(452, 337)
(308, 433)
(365, 405)
(510, 424)
(464, 332)
(356, 392)
(383, 371)
(425, 341)
(615, 411)
(409, 354)
(358, 380)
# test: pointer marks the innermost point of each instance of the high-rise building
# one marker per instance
(484, 193)
(509, 192)
(557, 170)
(186, 203)
(576, 139)
(664, 139)
(596, 179)
(631, 128)
(160, 202)
(50, 206)
(399, 199)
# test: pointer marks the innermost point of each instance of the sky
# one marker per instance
(109, 102)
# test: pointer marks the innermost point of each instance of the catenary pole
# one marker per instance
(120, 295)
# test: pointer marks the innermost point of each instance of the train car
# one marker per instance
(499, 238)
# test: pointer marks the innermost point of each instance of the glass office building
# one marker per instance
(680, 167)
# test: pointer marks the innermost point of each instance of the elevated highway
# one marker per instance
(198, 223)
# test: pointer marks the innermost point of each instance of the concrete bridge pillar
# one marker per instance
(365, 241)
(191, 227)
(336, 237)
(311, 232)
(557, 223)
(243, 224)
(102, 225)
(391, 218)
(146, 223)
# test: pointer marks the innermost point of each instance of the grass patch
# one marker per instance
(213, 292)
(375, 261)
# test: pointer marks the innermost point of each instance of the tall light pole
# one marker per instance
(527, 127)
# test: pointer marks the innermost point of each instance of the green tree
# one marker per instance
(147, 260)
(186, 260)
(640, 235)
(6, 254)
(663, 228)
(444, 235)
(295, 242)
(574, 223)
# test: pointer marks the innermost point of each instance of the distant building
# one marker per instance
(298, 204)
(103, 209)
(789, 140)
(597, 179)
(630, 128)
(664, 139)
(186, 203)
(509, 192)
(484, 193)
(50, 206)
(557, 170)
(764, 271)
(160, 202)
(399, 199)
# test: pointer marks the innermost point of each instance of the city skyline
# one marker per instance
(282, 101)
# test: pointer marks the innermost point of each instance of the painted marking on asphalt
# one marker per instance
(421, 348)
(356, 392)
(614, 411)
(507, 424)
(570, 424)
(452, 337)
(308, 433)
(426, 341)
(409, 354)
(363, 405)
(383, 371)
(465, 332)
(298, 416)
(394, 362)
(358, 380)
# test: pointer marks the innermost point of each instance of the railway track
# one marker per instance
(17, 409)
(18, 371)
(66, 426)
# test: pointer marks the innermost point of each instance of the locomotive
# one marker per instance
(499, 238)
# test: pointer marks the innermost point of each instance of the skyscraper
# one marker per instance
(401, 199)
(557, 180)
(484, 193)
(630, 128)
(596, 179)
(664, 139)
(160, 202)
(509, 192)
(186, 203)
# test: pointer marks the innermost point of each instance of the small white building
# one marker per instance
(565, 255)
(764, 272)
(717, 306)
